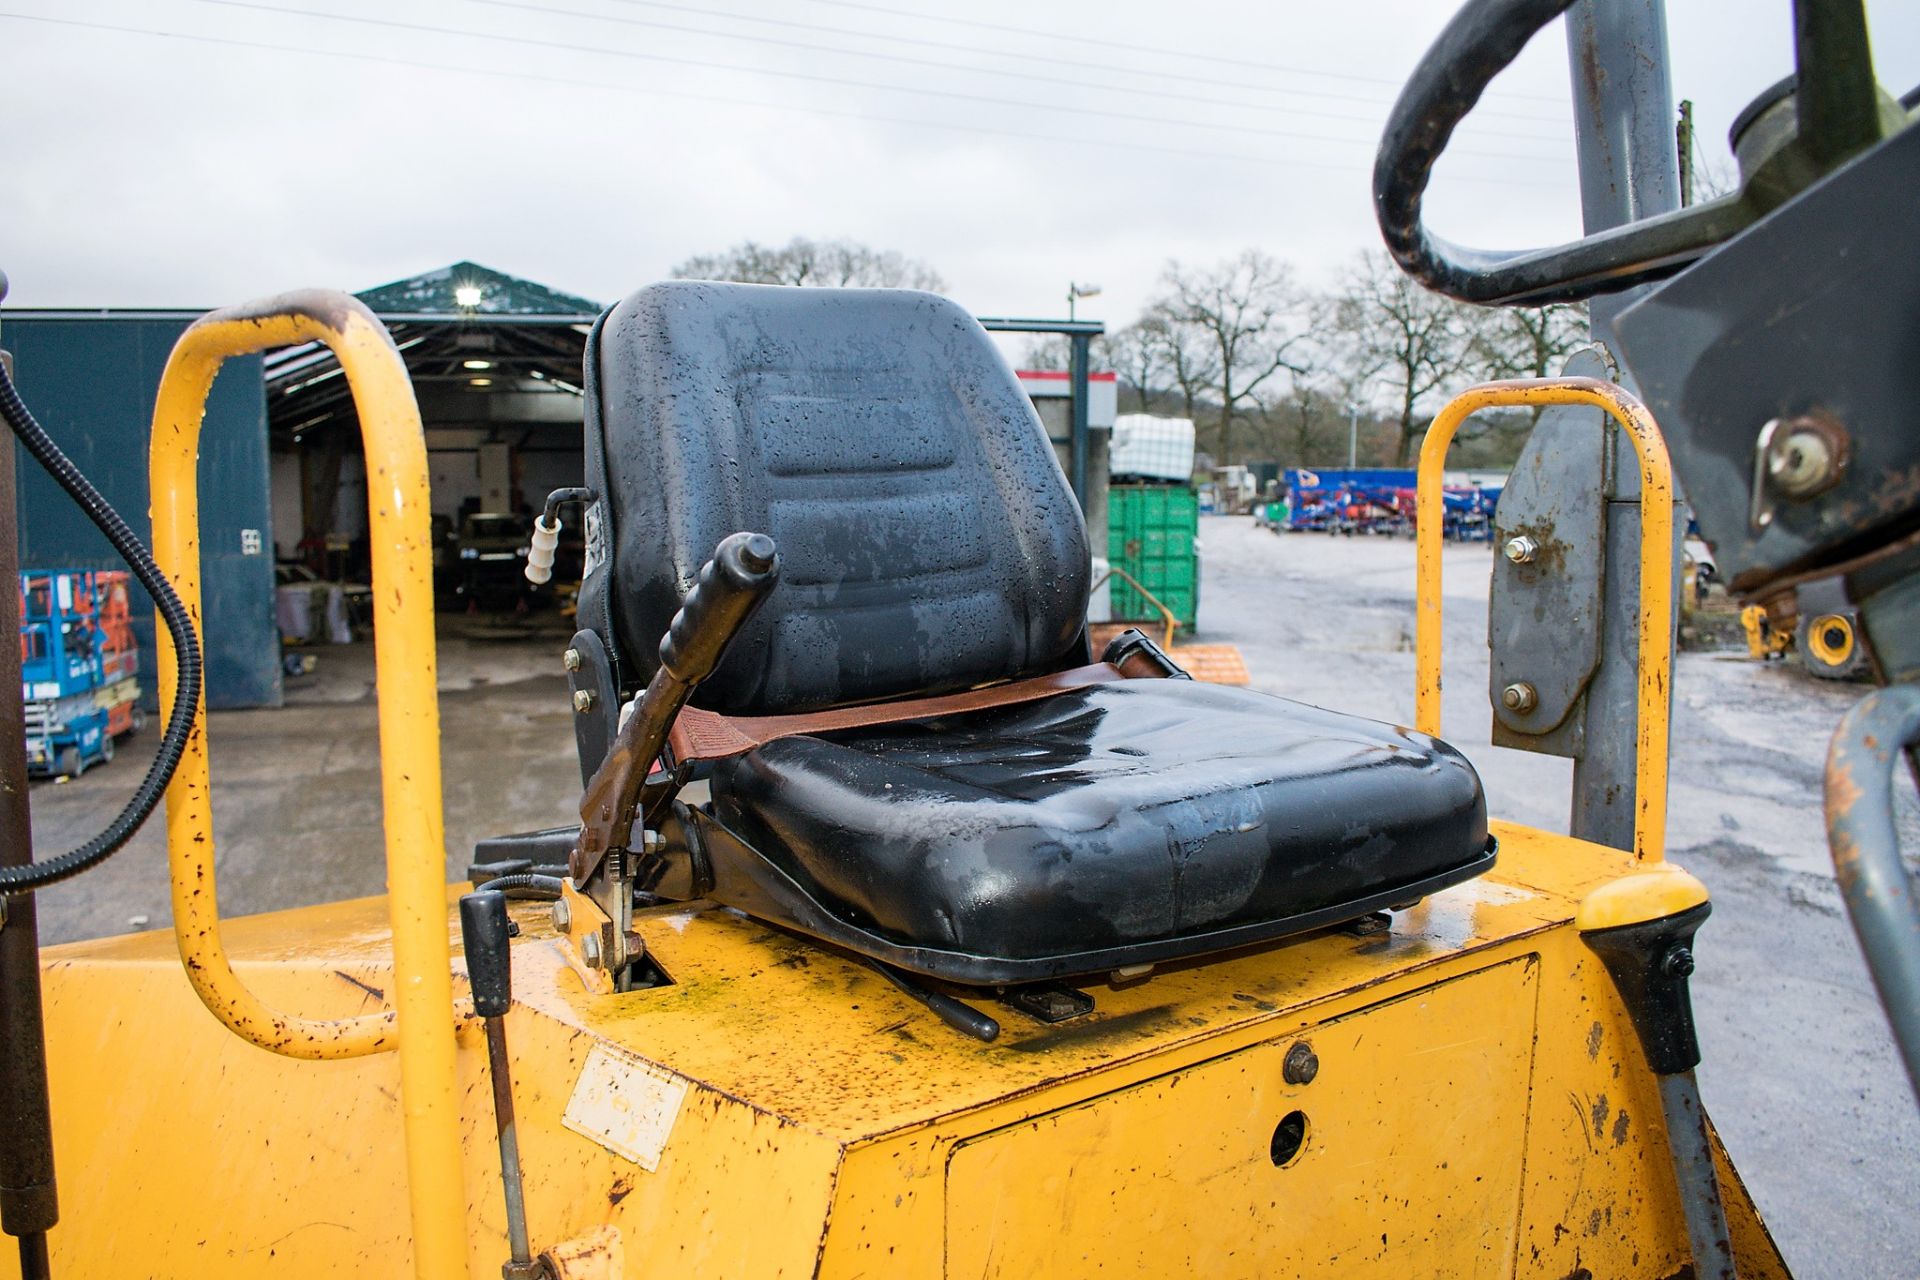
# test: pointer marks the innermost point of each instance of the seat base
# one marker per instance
(744, 880)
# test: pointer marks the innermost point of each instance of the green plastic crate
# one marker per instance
(1150, 533)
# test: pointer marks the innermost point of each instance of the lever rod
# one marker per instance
(483, 935)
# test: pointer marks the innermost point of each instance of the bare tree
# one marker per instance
(1528, 342)
(1048, 351)
(1309, 426)
(1397, 335)
(1234, 330)
(830, 263)
(1138, 354)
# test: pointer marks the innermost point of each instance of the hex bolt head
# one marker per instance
(583, 700)
(570, 659)
(1522, 549)
(590, 950)
(1519, 697)
(1301, 1064)
(562, 915)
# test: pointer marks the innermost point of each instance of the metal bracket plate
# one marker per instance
(1544, 615)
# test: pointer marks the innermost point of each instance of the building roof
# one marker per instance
(444, 293)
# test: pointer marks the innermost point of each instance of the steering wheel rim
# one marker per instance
(1481, 41)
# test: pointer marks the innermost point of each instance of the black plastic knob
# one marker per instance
(483, 935)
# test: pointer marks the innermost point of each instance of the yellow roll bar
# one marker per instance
(420, 1024)
(1656, 572)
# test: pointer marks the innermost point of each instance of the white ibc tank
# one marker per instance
(1151, 448)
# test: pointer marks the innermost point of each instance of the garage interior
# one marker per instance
(495, 363)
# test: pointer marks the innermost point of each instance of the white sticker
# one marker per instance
(625, 1105)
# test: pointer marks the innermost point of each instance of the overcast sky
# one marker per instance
(592, 144)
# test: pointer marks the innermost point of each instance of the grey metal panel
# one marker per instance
(92, 382)
(1544, 620)
(1825, 288)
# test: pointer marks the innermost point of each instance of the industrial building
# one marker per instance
(495, 362)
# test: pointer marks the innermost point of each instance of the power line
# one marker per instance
(574, 82)
(1147, 49)
(1132, 117)
(1211, 81)
(1027, 76)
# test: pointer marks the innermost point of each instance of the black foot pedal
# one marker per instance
(1049, 1001)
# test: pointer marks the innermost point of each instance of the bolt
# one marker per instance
(1519, 697)
(583, 700)
(1678, 962)
(562, 915)
(1802, 465)
(1301, 1064)
(571, 659)
(1522, 549)
(590, 950)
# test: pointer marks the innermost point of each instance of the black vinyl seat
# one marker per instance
(929, 543)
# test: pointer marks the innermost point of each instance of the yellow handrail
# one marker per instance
(421, 1022)
(1656, 572)
(1166, 614)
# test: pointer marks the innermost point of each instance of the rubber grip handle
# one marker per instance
(483, 935)
(744, 568)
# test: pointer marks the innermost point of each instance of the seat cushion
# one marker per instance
(1144, 811)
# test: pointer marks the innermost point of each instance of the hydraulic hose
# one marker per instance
(38, 875)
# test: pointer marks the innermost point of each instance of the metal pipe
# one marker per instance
(421, 1023)
(1082, 357)
(1873, 878)
(29, 1204)
(1694, 1173)
(501, 1073)
(1623, 116)
(1656, 583)
(1622, 123)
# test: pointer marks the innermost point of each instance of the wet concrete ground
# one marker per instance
(1800, 1072)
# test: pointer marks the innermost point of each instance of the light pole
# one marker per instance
(1353, 436)
(1075, 292)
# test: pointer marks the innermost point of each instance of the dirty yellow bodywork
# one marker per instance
(1480, 1108)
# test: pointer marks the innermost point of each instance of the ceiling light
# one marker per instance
(467, 295)
(479, 382)
(476, 364)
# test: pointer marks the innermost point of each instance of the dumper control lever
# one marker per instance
(729, 588)
(484, 933)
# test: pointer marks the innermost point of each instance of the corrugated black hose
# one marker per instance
(186, 645)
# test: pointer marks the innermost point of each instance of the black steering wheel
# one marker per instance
(1481, 40)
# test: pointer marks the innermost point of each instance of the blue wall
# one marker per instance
(91, 383)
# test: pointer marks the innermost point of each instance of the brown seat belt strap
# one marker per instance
(709, 735)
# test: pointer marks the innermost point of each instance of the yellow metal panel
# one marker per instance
(823, 1107)
(1415, 1126)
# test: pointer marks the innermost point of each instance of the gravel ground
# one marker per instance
(1800, 1071)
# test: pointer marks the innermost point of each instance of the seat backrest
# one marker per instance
(928, 540)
